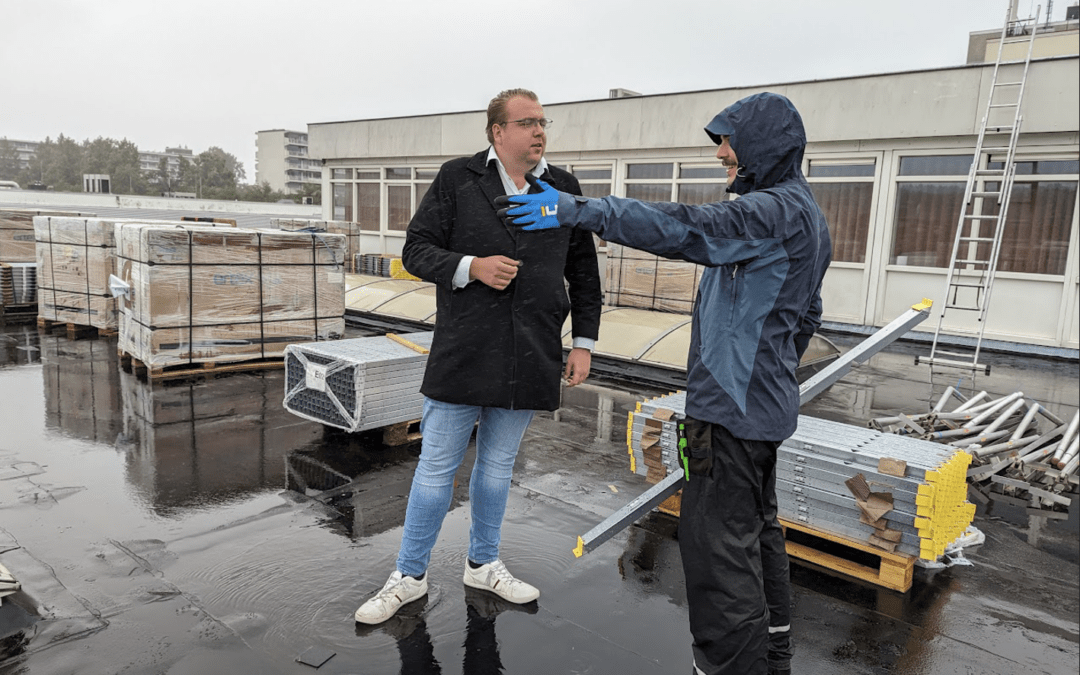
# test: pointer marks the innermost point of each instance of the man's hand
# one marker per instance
(578, 362)
(536, 211)
(496, 271)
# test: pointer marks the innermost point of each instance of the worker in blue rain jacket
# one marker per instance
(759, 302)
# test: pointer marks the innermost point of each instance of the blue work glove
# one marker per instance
(534, 211)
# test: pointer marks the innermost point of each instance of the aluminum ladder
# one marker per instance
(979, 230)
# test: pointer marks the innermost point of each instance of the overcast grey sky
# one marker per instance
(200, 73)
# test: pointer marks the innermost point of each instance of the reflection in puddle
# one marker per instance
(195, 443)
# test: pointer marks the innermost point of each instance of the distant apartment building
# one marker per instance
(26, 150)
(282, 160)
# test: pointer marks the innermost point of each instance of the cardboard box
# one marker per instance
(348, 229)
(17, 242)
(75, 257)
(646, 281)
(204, 295)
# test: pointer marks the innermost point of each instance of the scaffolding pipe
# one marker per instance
(991, 450)
(1071, 466)
(965, 443)
(1005, 416)
(1026, 422)
(1067, 438)
(970, 403)
(1070, 453)
(953, 433)
(1042, 447)
(944, 397)
(1001, 403)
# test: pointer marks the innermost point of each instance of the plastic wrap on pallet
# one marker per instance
(220, 295)
(350, 230)
(75, 257)
(17, 233)
(928, 507)
(357, 384)
(634, 278)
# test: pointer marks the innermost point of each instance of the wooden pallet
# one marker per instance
(402, 433)
(184, 371)
(835, 553)
(838, 554)
(74, 331)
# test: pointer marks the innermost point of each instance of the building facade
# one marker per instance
(282, 160)
(888, 158)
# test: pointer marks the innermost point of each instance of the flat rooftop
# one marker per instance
(201, 528)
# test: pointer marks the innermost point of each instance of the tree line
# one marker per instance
(212, 174)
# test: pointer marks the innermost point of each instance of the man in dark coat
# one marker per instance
(759, 302)
(497, 355)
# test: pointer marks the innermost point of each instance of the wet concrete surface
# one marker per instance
(201, 528)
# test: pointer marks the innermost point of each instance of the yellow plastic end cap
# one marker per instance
(580, 550)
(926, 303)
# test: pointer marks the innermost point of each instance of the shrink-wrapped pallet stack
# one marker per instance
(201, 295)
(634, 278)
(75, 257)
(17, 241)
(360, 383)
(899, 494)
(346, 228)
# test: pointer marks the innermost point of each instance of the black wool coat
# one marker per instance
(493, 348)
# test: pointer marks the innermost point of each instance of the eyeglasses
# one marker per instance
(530, 122)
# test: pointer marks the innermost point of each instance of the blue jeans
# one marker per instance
(446, 428)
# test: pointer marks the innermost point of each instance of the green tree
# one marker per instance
(127, 175)
(219, 174)
(9, 160)
(262, 192)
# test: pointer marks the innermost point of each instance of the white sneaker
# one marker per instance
(496, 578)
(399, 590)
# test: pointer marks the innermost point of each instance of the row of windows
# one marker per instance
(928, 200)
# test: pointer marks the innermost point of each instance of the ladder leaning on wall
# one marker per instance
(979, 231)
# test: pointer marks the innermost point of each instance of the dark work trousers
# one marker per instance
(733, 556)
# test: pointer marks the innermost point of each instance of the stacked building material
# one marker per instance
(637, 279)
(348, 229)
(357, 384)
(1012, 454)
(18, 283)
(376, 264)
(223, 295)
(75, 257)
(17, 233)
(899, 494)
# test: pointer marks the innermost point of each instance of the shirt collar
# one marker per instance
(508, 183)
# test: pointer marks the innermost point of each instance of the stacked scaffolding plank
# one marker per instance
(203, 296)
(360, 383)
(897, 494)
